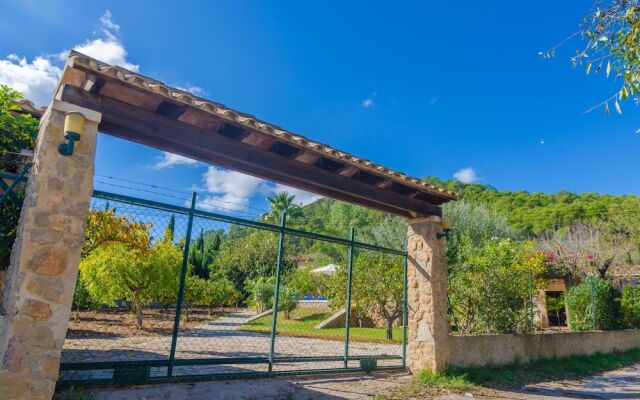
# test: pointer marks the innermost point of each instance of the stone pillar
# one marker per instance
(45, 257)
(427, 296)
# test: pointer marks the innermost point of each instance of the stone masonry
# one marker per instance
(45, 258)
(427, 296)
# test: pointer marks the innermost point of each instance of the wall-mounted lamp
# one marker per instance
(73, 128)
(446, 228)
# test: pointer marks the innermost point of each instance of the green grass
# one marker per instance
(465, 379)
(302, 324)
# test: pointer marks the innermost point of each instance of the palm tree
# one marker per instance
(279, 202)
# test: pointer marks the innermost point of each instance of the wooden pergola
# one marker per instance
(143, 110)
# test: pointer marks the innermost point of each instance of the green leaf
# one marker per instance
(608, 70)
(606, 108)
(618, 107)
(588, 68)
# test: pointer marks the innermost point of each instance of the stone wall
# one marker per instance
(479, 350)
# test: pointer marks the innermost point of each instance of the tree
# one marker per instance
(489, 292)
(204, 251)
(105, 228)
(611, 31)
(630, 304)
(287, 301)
(123, 272)
(588, 250)
(592, 305)
(249, 255)
(17, 131)
(376, 288)
(195, 294)
(476, 223)
(280, 202)
(208, 293)
(262, 292)
(169, 232)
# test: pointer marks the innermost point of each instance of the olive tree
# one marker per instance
(611, 36)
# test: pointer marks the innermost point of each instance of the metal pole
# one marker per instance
(593, 304)
(274, 320)
(405, 309)
(183, 277)
(531, 297)
(347, 316)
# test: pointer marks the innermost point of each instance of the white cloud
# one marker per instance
(433, 100)
(108, 48)
(301, 197)
(230, 190)
(466, 175)
(169, 160)
(37, 79)
(370, 101)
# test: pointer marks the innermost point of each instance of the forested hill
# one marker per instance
(539, 212)
(529, 212)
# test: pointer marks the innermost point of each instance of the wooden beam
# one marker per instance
(348, 171)
(307, 157)
(260, 141)
(385, 184)
(143, 126)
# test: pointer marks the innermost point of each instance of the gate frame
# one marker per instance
(45, 256)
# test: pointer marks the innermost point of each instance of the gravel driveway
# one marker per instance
(219, 338)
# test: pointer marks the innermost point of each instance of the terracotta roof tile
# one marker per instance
(147, 84)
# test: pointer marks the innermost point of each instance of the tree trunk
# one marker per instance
(138, 305)
(77, 314)
(389, 323)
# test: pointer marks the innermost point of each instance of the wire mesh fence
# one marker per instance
(171, 293)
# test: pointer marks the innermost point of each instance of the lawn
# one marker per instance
(302, 324)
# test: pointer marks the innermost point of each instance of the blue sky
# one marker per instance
(427, 88)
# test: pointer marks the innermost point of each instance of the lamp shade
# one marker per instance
(447, 224)
(74, 123)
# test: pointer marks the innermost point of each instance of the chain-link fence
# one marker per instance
(168, 293)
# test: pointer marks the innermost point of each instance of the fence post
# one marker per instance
(405, 309)
(183, 277)
(276, 296)
(593, 304)
(347, 315)
(531, 298)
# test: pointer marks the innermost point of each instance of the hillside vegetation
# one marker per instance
(535, 213)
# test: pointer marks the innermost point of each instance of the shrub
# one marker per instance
(261, 292)
(287, 301)
(489, 292)
(581, 300)
(630, 305)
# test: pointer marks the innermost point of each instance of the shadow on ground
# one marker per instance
(351, 387)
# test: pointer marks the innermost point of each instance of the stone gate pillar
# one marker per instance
(45, 257)
(427, 296)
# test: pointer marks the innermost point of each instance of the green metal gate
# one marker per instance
(219, 271)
